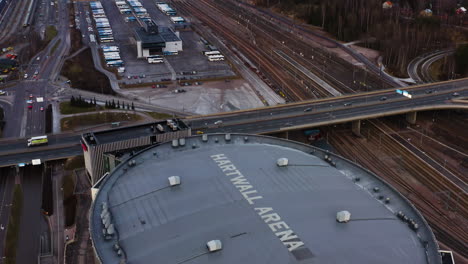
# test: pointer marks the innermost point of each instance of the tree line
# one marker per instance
(400, 33)
(81, 102)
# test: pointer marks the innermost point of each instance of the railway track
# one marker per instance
(261, 39)
(421, 186)
(280, 78)
(316, 37)
(12, 24)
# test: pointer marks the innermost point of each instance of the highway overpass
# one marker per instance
(275, 119)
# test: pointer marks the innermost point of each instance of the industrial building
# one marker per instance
(152, 40)
(96, 144)
(237, 198)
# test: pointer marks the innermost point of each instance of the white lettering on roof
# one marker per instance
(287, 236)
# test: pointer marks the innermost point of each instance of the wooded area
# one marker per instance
(400, 33)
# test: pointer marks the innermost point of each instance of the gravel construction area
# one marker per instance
(207, 98)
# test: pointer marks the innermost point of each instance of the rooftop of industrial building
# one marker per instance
(165, 35)
(233, 189)
(129, 132)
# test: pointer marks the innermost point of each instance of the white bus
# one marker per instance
(115, 63)
(210, 53)
(216, 58)
(110, 48)
(36, 141)
(106, 40)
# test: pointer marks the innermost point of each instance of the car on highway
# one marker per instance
(199, 132)
(383, 98)
(219, 122)
(308, 109)
(42, 108)
(348, 104)
(429, 91)
(456, 94)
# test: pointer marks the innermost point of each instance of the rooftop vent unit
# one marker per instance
(204, 137)
(174, 180)
(110, 229)
(282, 162)
(182, 141)
(214, 245)
(175, 143)
(343, 216)
(132, 163)
(227, 137)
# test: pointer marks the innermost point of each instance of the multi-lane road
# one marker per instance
(23, 121)
(273, 119)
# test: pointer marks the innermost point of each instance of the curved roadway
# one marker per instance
(418, 68)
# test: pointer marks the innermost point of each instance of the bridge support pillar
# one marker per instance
(356, 128)
(411, 118)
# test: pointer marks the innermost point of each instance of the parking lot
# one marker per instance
(190, 59)
(189, 65)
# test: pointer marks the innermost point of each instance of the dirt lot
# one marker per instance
(209, 97)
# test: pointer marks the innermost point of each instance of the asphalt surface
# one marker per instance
(22, 121)
(361, 105)
(32, 222)
(6, 191)
(264, 120)
(418, 68)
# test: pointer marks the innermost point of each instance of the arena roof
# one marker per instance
(234, 188)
